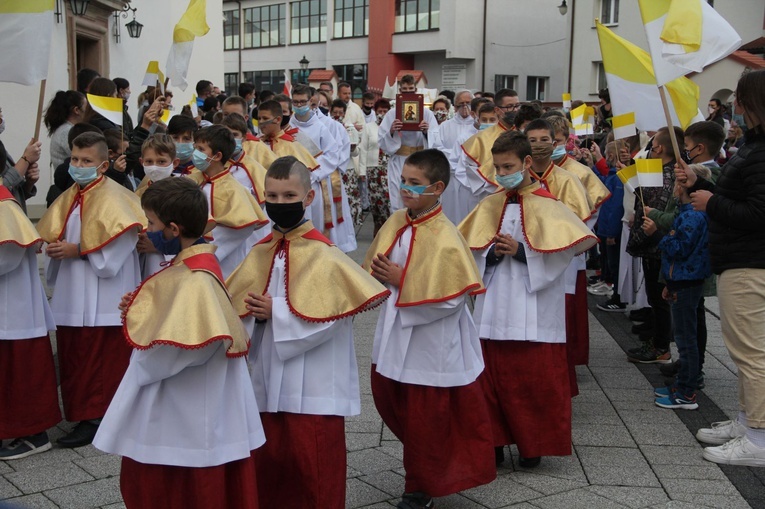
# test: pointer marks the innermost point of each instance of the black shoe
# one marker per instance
(416, 500)
(499, 455)
(651, 356)
(529, 462)
(642, 327)
(641, 315)
(613, 305)
(646, 336)
(82, 434)
(644, 347)
(25, 446)
(670, 370)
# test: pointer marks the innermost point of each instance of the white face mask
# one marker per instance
(157, 173)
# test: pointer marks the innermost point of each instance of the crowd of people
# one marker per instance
(203, 301)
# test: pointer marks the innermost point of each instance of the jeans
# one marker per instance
(662, 328)
(701, 331)
(684, 304)
(612, 260)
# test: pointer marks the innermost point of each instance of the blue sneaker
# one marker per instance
(677, 401)
(663, 392)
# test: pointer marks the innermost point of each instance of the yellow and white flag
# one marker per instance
(26, 28)
(108, 107)
(192, 24)
(153, 76)
(629, 178)
(583, 120)
(633, 88)
(194, 106)
(685, 36)
(650, 172)
(567, 101)
(624, 125)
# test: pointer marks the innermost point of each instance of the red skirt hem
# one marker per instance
(577, 322)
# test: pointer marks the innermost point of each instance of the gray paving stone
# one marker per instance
(676, 504)
(457, 501)
(387, 434)
(371, 461)
(561, 467)
(522, 505)
(673, 455)
(655, 415)
(94, 494)
(50, 457)
(352, 472)
(47, 478)
(702, 472)
(89, 451)
(602, 435)
(8, 490)
(545, 484)
(716, 501)
(614, 475)
(101, 467)
(576, 499)
(662, 434)
(620, 456)
(631, 399)
(359, 441)
(695, 486)
(115, 506)
(361, 494)
(5, 467)
(36, 501)
(387, 481)
(632, 497)
(501, 492)
(362, 426)
(392, 448)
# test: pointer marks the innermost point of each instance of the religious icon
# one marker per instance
(409, 110)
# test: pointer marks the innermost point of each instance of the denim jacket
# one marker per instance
(685, 249)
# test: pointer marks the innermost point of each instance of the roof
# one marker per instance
(418, 75)
(322, 75)
(754, 62)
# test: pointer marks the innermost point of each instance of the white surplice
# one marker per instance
(243, 177)
(523, 301)
(183, 407)
(456, 198)
(476, 188)
(24, 309)
(231, 243)
(87, 292)
(299, 366)
(430, 344)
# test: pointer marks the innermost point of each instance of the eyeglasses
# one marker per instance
(510, 107)
(299, 103)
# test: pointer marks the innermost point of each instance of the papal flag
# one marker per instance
(192, 24)
(153, 76)
(629, 177)
(108, 107)
(567, 101)
(650, 172)
(632, 86)
(624, 125)
(583, 120)
(685, 36)
(26, 28)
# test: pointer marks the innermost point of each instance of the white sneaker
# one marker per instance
(739, 451)
(600, 288)
(721, 432)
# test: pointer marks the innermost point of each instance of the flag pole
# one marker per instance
(40, 102)
(670, 125)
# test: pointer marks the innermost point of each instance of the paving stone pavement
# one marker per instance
(626, 451)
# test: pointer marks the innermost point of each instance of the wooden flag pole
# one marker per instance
(670, 125)
(40, 102)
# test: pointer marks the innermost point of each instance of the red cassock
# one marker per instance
(445, 432)
(539, 423)
(28, 399)
(577, 322)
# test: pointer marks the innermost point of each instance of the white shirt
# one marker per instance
(231, 242)
(24, 309)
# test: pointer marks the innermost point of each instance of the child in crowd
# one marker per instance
(426, 357)
(609, 230)
(251, 143)
(184, 417)
(235, 210)
(685, 263)
(91, 231)
(29, 398)
(303, 368)
(487, 116)
(181, 129)
(524, 240)
(117, 170)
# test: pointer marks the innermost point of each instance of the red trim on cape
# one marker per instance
(251, 137)
(499, 224)
(5, 194)
(315, 234)
(544, 193)
(542, 179)
(205, 262)
(478, 169)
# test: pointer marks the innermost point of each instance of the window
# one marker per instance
(599, 77)
(355, 75)
(308, 21)
(231, 29)
(351, 18)
(504, 81)
(266, 80)
(417, 15)
(535, 88)
(609, 12)
(231, 83)
(264, 26)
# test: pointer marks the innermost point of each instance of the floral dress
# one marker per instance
(377, 182)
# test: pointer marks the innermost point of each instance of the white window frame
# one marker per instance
(614, 12)
(544, 80)
(512, 78)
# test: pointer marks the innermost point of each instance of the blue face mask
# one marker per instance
(184, 150)
(238, 142)
(201, 161)
(511, 181)
(558, 152)
(164, 246)
(415, 191)
(485, 126)
(302, 110)
(83, 176)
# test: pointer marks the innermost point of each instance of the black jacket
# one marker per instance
(737, 209)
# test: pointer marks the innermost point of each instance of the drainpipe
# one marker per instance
(483, 50)
(241, 39)
(571, 49)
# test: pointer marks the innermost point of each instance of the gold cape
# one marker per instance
(478, 148)
(567, 188)
(15, 226)
(156, 316)
(255, 172)
(322, 283)
(548, 225)
(439, 266)
(107, 210)
(231, 205)
(597, 192)
(283, 144)
(255, 148)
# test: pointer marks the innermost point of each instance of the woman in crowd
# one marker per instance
(373, 163)
(65, 109)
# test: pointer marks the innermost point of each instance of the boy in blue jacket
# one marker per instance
(685, 263)
(609, 230)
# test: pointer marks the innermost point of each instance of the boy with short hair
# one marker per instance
(426, 357)
(181, 129)
(304, 368)
(91, 231)
(29, 398)
(245, 169)
(487, 116)
(235, 210)
(523, 240)
(184, 417)
(237, 104)
(117, 170)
